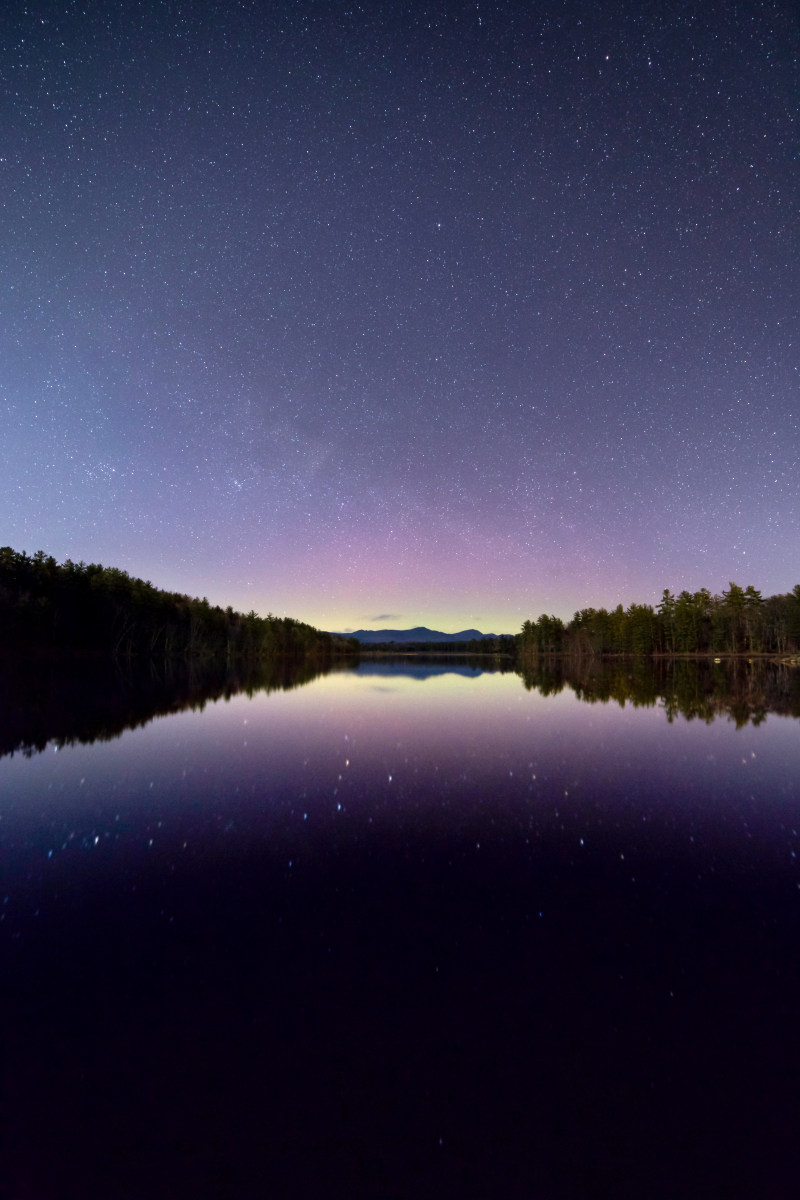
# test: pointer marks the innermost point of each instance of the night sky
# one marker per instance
(396, 314)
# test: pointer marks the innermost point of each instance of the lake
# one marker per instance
(412, 929)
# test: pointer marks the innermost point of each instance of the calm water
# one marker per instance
(402, 931)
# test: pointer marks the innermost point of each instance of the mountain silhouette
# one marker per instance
(419, 634)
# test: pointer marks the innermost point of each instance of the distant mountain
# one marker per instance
(420, 634)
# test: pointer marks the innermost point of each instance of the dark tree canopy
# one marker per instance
(740, 621)
(91, 609)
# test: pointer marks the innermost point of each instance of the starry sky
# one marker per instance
(392, 314)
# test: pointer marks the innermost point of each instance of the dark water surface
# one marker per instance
(405, 931)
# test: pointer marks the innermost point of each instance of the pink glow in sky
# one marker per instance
(393, 317)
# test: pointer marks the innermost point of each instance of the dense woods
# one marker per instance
(91, 609)
(740, 621)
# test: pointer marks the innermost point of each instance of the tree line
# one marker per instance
(740, 621)
(81, 608)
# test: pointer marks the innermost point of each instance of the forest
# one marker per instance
(740, 621)
(80, 608)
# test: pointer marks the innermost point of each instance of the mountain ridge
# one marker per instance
(420, 633)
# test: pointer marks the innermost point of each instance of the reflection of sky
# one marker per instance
(358, 746)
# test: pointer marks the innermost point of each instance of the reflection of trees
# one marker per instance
(697, 690)
(70, 703)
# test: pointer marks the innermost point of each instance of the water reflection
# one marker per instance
(413, 930)
(70, 704)
(78, 703)
(736, 689)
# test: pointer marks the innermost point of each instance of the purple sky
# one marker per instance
(388, 315)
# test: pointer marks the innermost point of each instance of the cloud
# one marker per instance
(386, 617)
